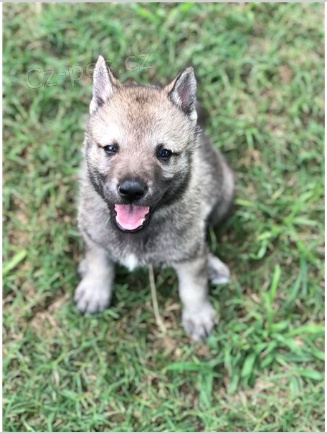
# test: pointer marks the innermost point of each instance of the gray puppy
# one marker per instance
(151, 184)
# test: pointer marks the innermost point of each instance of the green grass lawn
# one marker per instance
(260, 70)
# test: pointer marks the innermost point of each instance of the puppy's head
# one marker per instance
(139, 144)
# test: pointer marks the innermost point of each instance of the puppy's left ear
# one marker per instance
(182, 92)
(104, 84)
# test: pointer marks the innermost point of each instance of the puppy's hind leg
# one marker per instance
(222, 208)
(218, 272)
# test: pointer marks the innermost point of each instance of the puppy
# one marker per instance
(151, 183)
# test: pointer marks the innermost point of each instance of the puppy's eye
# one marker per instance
(164, 154)
(111, 149)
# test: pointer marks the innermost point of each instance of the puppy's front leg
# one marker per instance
(198, 314)
(93, 294)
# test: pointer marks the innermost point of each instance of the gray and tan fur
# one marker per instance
(185, 193)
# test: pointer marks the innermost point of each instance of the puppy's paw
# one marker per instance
(92, 295)
(218, 272)
(199, 322)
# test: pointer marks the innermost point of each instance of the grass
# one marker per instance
(260, 73)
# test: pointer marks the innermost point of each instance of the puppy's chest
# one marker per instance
(136, 252)
(130, 261)
(131, 258)
(159, 248)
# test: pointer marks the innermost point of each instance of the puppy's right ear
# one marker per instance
(182, 92)
(104, 84)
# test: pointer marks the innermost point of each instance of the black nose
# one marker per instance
(131, 189)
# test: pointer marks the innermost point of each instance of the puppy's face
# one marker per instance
(139, 144)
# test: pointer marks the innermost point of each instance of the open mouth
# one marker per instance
(131, 217)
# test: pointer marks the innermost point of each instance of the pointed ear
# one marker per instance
(182, 92)
(104, 84)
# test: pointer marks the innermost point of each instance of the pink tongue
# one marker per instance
(131, 217)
